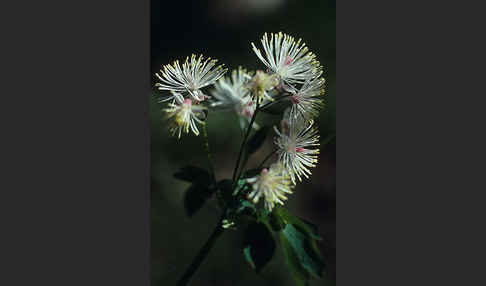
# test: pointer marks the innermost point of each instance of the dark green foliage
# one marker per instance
(241, 187)
(224, 187)
(305, 249)
(195, 197)
(287, 217)
(301, 276)
(299, 243)
(258, 245)
(238, 208)
(246, 207)
(193, 174)
(298, 237)
(257, 140)
(200, 190)
(310, 228)
(276, 222)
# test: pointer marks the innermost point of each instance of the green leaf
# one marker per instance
(241, 185)
(305, 250)
(195, 197)
(299, 243)
(276, 222)
(284, 215)
(258, 246)
(193, 174)
(257, 140)
(246, 205)
(309, 227)
(300, 275)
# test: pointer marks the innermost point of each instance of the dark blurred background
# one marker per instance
(224, 29)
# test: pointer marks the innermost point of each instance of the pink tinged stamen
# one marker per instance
(248, 113)
(299, 149)
(289, 61)
(295, 99)
(188, 101)
(264, 171)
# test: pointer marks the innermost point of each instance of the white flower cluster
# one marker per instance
(293, 75)
(298, 73)
(185, 86)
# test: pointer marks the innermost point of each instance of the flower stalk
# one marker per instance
(234, 179)
(208, 152)
(266, 158)
(202, 254)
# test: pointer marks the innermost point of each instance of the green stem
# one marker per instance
(203, 253)
(206, 145)
(277, 100)
(244, 142)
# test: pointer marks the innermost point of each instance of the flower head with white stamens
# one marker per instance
(308, 100)
(273, 184)
(191, 77)
(289, 59)
(182, 115)
(234, 94)
(297, 143)
(261, 84)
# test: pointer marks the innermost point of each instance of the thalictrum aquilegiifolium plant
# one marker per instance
(253, 199)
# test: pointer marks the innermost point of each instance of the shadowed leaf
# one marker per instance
(303, 247)
(195, 197)
(258, 246)
(193, 174)
(302, 224)
(300, 275)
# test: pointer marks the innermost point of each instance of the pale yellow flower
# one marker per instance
(183, 115)
(273, 184)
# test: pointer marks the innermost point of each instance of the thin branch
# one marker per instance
(208, 151)
(203, 253)
(266, 158)
(277, 100)
(244, 142)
